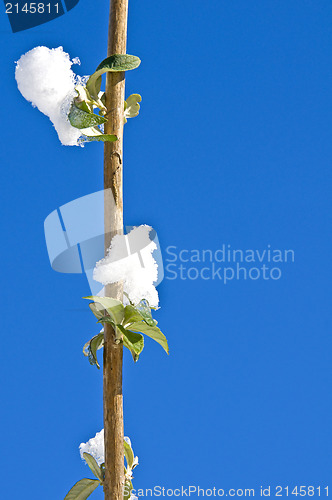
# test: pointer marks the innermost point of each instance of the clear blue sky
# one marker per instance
(232, 146)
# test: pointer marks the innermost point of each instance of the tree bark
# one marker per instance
(113, 217)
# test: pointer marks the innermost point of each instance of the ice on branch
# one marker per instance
(95, 447)
(45, 78)
(130, 260)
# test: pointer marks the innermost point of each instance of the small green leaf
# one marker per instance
(114, 63)
(102, 468)
(82, 489)
(145, 311)
(82, 94)
(83, 119)
(131, 315)
(118, 63)
(94, 134)
(151, 331)
(127, 296)
(83, 105)
(96, 343)
(129, 454)
(94, 84)
(91, 347)
(91, 132)
(131, 106)
(114, 307)
(127, 489)
(133, 341)
(90, 460)
(102, 138)
(107, 319)
(97, 310)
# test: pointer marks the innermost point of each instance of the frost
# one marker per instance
(130, 260)
(95, 447)
(44, 77)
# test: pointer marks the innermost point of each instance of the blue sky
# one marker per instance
(232, 147)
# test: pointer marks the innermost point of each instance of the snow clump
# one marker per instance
(130, 260)
(45, 78)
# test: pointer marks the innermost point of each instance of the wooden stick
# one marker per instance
(113, 162)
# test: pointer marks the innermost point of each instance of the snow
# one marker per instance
(95, 447)
(129, 259)
(45, 78)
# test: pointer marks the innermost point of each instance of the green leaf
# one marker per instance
(145, 311)
(82, 489)
(94, 134)
(94, 83)
(96, 343)
(91, 132)
(129, 454)
(127, 489)
(114, 63)
(102, 138)
(107, 319)
(131, 106)
(86, 102)
(102, 468)
(83, 119)
(97, 310)
(83, 105)
(90, 460)
(151, 331)
(118, 62)
(91, 347)
(130, 302)
(82, 94)
(133, 341)
(131, 315)
(114, 307)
